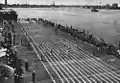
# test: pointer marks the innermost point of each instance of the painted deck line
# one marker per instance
(48, 61)
(85, 64)
(39, 57)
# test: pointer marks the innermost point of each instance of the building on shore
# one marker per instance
(107, 6)
(115, 6)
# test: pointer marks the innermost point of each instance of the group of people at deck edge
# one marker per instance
(83, 35)
(8, 43)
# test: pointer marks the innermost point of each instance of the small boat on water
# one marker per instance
(94, 10)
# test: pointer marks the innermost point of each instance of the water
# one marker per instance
(105, 23)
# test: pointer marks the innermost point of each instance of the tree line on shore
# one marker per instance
(57, 6)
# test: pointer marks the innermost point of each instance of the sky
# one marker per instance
(78, 2)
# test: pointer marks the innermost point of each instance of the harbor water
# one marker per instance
(105, 23)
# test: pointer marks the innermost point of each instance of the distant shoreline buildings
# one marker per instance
(113, 6)
(107, 6)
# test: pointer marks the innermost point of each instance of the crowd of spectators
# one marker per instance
(8, 43)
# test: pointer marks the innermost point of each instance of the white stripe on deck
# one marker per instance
(66, 68)
(50, 64)
(108, 74)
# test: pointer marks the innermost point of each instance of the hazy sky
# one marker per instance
(81, 2)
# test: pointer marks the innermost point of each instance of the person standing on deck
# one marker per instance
(68, 50)
(26, 65)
